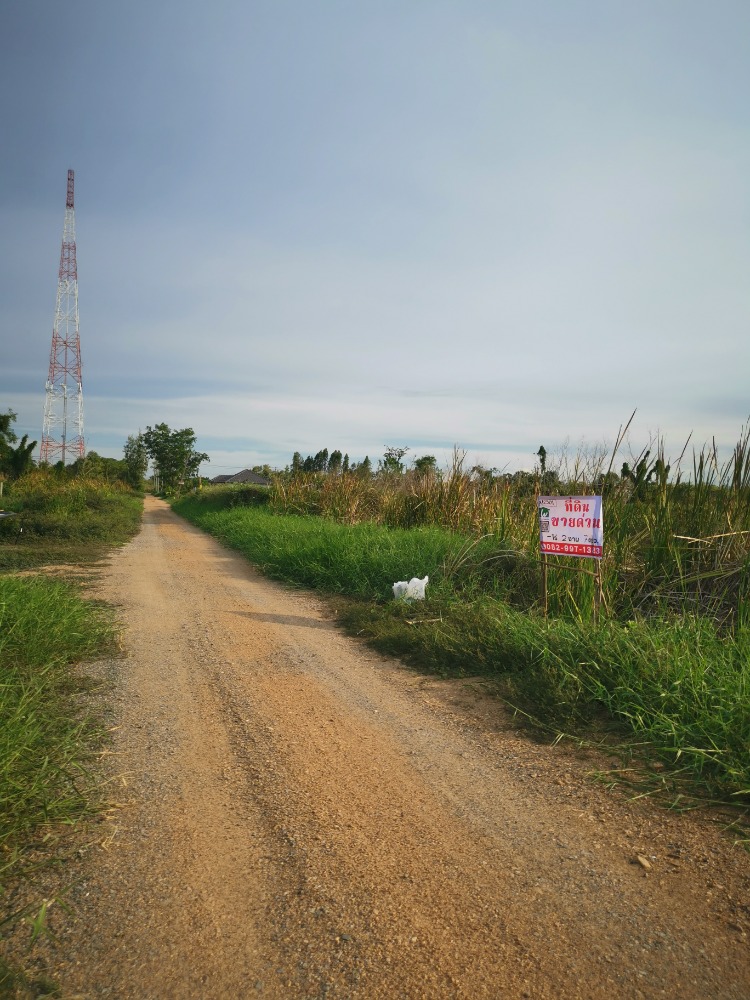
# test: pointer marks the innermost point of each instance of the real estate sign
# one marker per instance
(571, 526)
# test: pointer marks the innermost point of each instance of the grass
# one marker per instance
(44, 627)
(678, 683)
(59, 520)
(47, 743)
(677, 534)
(358, 560)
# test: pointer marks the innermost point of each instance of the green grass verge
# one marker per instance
(47, 742)
(357, 560)
(44, 743)
(674, 683)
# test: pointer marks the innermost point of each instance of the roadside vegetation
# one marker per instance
(47, 627)
(47, 746)
(64, 518)
(667, 658)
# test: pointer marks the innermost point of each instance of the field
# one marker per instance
(667, 660)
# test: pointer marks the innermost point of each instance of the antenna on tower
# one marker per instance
(62, 432)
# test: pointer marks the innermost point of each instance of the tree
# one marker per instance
(391, 461)
(426, 465)
(345, 464)
(136, 460)
(92, 464)
(7, 434)
(14, 462)
(483, 474)
(296, 463)
(364, 469)
(18, 460)
(173, 453)
(334, 462)
(98, 467)
(320, 462)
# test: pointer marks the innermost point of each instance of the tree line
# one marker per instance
(176, 462)
(336, 463)
(172, 452)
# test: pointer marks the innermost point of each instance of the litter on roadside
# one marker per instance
(413, 590)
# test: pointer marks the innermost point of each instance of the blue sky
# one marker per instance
(357, 224)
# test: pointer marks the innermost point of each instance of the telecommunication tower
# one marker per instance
(62, 433)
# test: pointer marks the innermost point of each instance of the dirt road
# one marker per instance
(299, 817)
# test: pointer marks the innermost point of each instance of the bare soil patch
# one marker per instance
(297, 816)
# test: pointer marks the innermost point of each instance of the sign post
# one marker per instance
(572, 526)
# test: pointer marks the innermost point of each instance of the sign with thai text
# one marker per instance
(571, 526)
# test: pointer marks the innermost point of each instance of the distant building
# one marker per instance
(246, 476)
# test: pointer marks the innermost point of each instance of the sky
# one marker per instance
(356, 224)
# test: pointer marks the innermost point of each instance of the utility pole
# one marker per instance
(62, 432)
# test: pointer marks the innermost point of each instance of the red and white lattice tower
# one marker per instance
(62, 433)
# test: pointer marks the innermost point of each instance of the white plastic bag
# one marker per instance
(414, 590)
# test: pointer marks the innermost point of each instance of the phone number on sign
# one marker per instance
(573, 550)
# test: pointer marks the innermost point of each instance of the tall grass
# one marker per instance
(64, 520)
(672, 540)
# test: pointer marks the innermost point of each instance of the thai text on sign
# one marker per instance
(571, 526)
